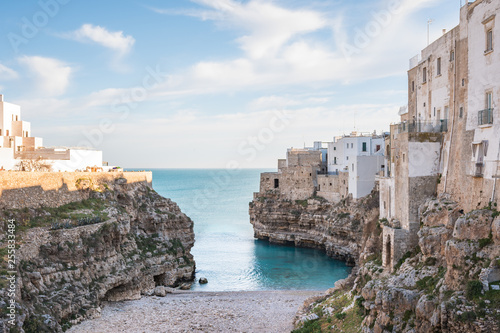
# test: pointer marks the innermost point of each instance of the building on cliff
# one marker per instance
(20, 151)
(448, 140)
(356, 158)
(296, 178)
(347, 168)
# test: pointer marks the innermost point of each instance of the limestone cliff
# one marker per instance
(121, 242)
(449, 283)
(335, 228)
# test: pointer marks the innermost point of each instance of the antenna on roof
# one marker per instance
(429, 22)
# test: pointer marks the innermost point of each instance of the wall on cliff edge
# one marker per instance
(53, 189)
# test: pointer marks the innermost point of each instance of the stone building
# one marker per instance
(449, 136)
(20, 150)
(296, 178)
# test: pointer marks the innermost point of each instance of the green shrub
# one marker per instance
(473, 289)
(483, 242)
(407, 315)
(340, 315)
(312, 326)
(467, 316)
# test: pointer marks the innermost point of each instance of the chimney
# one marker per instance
(444, 31)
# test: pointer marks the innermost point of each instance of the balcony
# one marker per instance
(438, 126)
(485, 117)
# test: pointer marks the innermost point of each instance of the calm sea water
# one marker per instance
(225, 250)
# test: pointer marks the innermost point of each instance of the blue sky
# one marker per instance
(207, 83)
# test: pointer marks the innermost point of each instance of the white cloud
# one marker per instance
(52, 75)
(114, 40)
(7, 73)
(267, 26)
(278, 48)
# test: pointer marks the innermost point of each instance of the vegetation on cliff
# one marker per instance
(448, 283)
(121, 242)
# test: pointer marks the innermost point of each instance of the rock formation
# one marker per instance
(335, 228)
(449, 283)
(121, 242)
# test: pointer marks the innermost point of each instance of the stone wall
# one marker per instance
(329, 187)
(52, 189)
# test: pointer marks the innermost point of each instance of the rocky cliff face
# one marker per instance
(335, 228)
(449, 283)
(120, 243)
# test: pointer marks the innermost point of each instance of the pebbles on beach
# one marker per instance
(187, 311)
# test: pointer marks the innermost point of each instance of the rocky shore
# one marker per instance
(449, 283)
(245, 311)
(119, 243)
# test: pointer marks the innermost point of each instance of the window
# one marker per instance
(404, 157)
(412, 86)
(463, 82)
(276, 183)
(334, 160)
(347, 146)
(347, 158)
(461, 113)
(438, 66)
(489, 40)
(364, 146)
(452, 55)
(352, 145)
(7, 132)
(489, 100)
(424, 75)
(0, 131)
(352, 167)
(377, 148)
(334, 148)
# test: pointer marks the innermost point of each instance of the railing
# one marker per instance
(485, 117)
(423, 126)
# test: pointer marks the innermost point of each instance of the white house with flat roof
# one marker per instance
(361, 155)
(18, 146)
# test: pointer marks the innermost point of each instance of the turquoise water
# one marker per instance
(225, 250)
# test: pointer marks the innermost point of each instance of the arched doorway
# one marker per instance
(388, 249)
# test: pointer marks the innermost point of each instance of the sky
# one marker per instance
(210, 83)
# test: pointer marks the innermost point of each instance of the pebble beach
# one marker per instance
(191, 311)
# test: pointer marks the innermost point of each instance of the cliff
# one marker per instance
(122, 240)
(449, 283)
(337, 229)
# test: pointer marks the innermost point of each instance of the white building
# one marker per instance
(18, 148)
(362, 156)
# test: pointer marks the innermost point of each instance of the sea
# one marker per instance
(225, 250)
